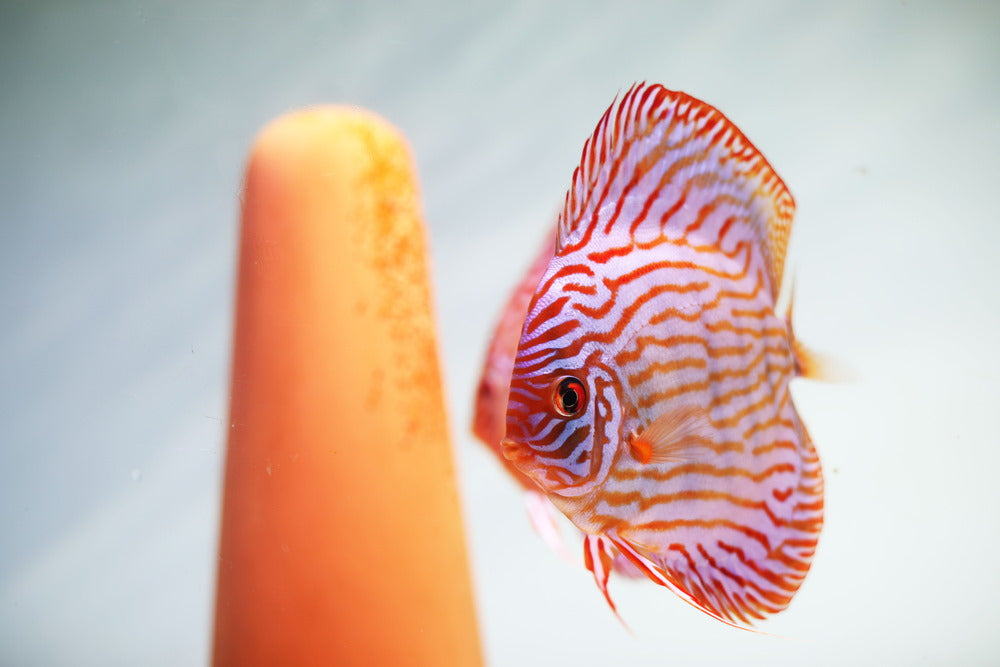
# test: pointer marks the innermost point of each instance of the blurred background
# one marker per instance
(123, 132)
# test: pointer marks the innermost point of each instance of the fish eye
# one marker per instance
(569, 397)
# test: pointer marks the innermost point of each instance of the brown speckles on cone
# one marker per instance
(342, 540)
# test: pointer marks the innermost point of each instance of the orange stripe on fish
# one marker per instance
(648, 393)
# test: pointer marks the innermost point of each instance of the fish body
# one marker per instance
(649, 395)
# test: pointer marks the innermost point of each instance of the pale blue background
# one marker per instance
(123, 130)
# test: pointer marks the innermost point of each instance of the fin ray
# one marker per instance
(599, 557)
(655, 573)
(672, 435)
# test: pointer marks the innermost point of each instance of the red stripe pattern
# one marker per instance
(660, 300)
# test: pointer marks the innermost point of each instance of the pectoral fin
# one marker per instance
(673, 436)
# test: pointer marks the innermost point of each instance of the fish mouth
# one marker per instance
(518, 455)
(511, 450)
(522, 458)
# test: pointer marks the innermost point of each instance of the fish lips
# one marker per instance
(551, 478)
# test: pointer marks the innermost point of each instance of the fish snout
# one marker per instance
(511, 450)
(520, 456)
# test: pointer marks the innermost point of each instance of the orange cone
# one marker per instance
(342, 540)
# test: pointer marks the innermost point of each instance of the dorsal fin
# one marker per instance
(660, 163)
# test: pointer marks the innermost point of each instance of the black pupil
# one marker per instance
(570, 397)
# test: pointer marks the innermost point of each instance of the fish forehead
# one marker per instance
(550, 339)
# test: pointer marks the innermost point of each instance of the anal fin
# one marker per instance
(599, 557)
(656, 573)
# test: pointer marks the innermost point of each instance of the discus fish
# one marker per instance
(649, 394)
